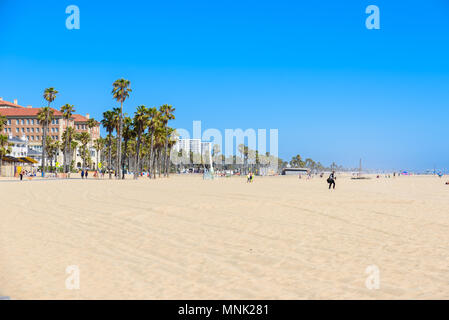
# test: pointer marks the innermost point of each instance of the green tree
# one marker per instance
(120, 92)
(167, 113)
(84, 139)
(45, 116)
(50, 96)
(5, 147)
(67, 112)
(108, 123)
(141, 117)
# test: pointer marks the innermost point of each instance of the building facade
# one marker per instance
(196, 146)
(23, 124)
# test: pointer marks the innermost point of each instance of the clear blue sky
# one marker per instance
(335, 90)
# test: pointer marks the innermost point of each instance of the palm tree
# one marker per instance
(3, 122)
(297, 162)
(128, 134)
(5, 147)
(159, 142)
(120, 92)
(50, 96)
(84, 139)
(91, 123)
(67, 138)
(109, 124)
(166, 114)
(153, 124)
(140, 121)
(45, 116)
(73, 147)
(99, 145)
(67, 112)
(118, 130)
(50, 150)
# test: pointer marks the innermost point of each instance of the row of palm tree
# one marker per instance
(46, 116)
(298, 162)
(145, 137)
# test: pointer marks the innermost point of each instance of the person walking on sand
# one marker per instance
(82, 174)
(331, 180)
(86, 173)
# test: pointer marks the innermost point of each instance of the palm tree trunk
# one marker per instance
(160, 163)
(44, 141)
(165, 151)
(151, 154)
(98, 168)
(119, 149)
(110, 157)
(138, 170)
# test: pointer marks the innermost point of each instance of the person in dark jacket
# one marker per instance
(82, 174)
(331, 180)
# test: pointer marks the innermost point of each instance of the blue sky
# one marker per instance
(335, 90)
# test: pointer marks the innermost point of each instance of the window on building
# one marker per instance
(37, 130)
(32, 121)
(9, 122)
(17, 130)
(22, 121)
(28, 129)
(28, 121)
(17, 121)
(23, 130)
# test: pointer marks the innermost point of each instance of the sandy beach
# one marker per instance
(185, 238)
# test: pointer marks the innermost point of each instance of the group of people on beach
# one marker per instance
(84, 173)
(25, 173)
(250, 177)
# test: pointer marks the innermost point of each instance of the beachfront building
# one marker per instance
(22, 123)
(19, 147)
(201, 151)
(195, 146)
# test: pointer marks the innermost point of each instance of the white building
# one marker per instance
(19, 146)
(196, 146)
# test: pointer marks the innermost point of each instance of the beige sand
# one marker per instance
(185, 238)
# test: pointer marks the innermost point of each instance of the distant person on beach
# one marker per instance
(82, 174)
(21, 175)
(86, 174)
(331, 180)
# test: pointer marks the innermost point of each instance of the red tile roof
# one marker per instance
(9, 104)
(24, 112)
(79, 118)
